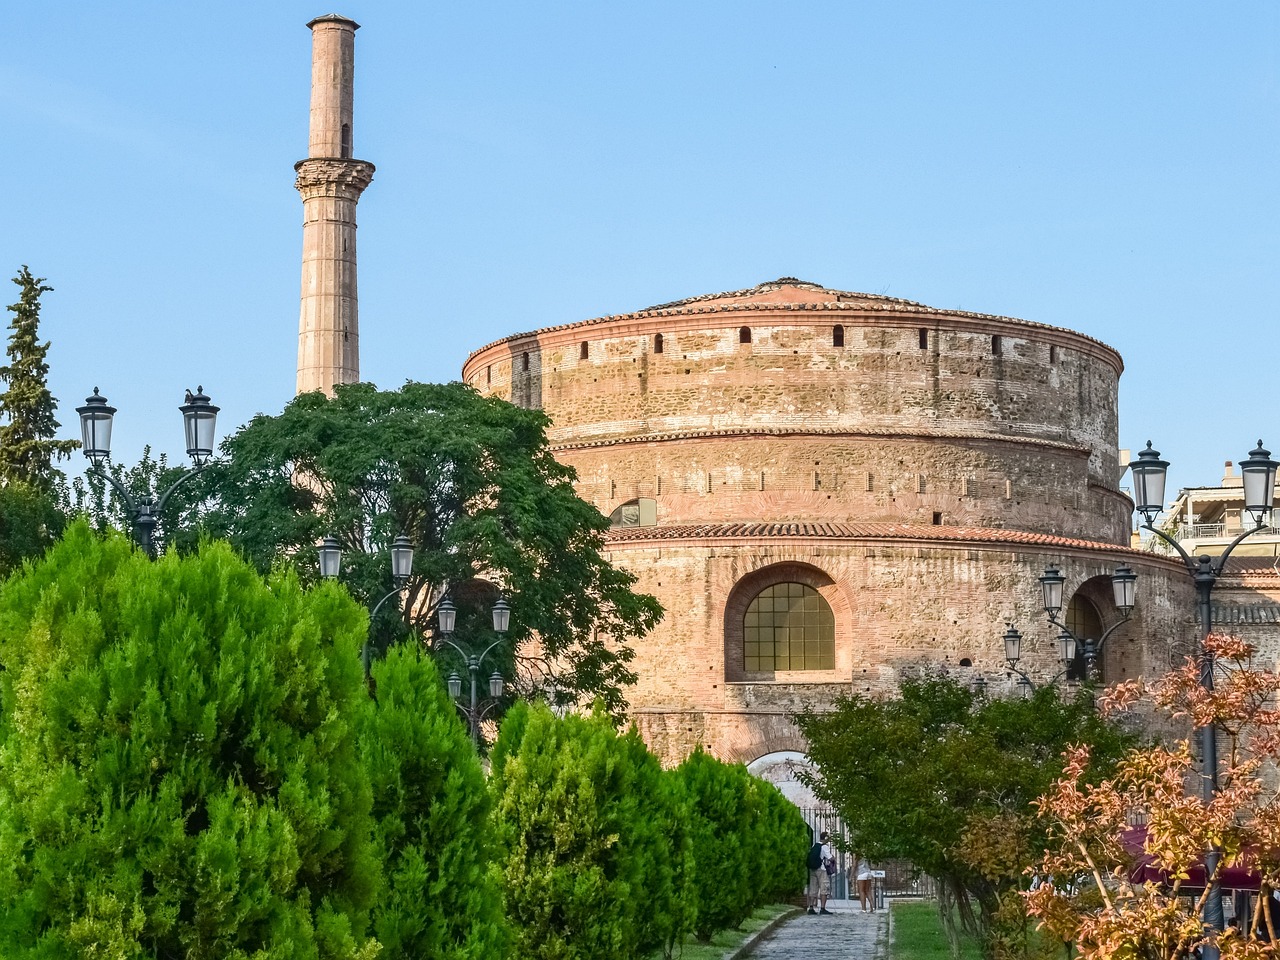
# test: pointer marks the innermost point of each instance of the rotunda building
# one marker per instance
(828, 490)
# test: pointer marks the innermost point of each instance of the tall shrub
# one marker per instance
(587, 865)
(720, 800)
(179, 773)
(441, 898)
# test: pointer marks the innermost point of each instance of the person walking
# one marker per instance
(820, 856)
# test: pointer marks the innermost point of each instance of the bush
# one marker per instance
(586, 825)
(180, 772)
(432, 809)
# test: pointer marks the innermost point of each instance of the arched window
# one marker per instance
(657, 343)
(788, 626)
(346, 140)
(584, 350)
(1082, 620)
(837, 336)
(744, 335)
(641, 512)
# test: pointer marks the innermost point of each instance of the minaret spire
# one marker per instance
(330, 182)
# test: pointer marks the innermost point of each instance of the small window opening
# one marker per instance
(744, 335)
(583, 350)
(837, 336)
(937, 518)
(966, 662)
(488, 375)
(1053, 353)
(524, 361)
(924, 339)
(657, 343)
(996, 346)
(346, 140)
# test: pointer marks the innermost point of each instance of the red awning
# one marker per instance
(1134, 841)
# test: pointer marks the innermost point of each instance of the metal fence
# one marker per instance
(901, 878)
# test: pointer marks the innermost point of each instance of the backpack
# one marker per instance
(815, 857)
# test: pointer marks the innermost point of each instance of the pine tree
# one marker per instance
(27, 447)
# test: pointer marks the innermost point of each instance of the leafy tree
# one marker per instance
(180, 766)
(30, 522)
(585, 826)
(472, 482)
(1091, 895)
(944, 778)
(27, 447)
(432, 809)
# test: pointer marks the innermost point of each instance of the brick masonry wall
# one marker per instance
(919, 417)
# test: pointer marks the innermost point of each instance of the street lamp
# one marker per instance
(1013, 653)
(1259, 475)
(476, 710)
(199, 420)
(1123, 587)
(330, 554)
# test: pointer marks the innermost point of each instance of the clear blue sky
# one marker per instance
(1105, 167)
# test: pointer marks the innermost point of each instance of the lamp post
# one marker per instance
(1124, 587)
(330, 554)
(475, 710)
(199, 419)
(1013, 653)
(1259, 477)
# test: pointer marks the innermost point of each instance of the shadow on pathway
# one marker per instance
(848, 934)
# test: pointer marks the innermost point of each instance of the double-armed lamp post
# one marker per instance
(1258, 473)
(476, 710)
(330, 555)
(330, 552)
(199, 418)
(1123, 584)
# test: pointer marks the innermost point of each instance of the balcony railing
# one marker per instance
(1204, 531)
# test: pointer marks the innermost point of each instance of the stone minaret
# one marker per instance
(330, 182)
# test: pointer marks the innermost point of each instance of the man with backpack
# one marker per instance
(820, 855)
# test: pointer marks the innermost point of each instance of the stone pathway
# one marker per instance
(849, 934)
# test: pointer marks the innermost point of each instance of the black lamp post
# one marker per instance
(199, 419)
(1259, 475)
(476, 710)
(1013, 653)
(330, 554)
(1124, 588)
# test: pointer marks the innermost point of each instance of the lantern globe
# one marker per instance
(96, 418)
(1051, 590)
(1012, 644)
(199, 421)
(1066, 647)
(401, 558)
(501, 616)
(1149, 474)
(1259, 476)
(495, 685)
(330, 554)
(1124, 584)
(446, 616)
(455, 685)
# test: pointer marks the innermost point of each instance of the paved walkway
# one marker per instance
(849, 934)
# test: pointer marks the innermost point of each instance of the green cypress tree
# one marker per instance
(442, 898)
(722, 836)
(179, 773)
(587, 870)
(27, 447)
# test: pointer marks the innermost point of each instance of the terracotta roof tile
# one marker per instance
(863, 531)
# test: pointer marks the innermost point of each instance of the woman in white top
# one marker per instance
(863, 875)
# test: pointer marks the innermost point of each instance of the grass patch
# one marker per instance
(918, 934)
(726, 941)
